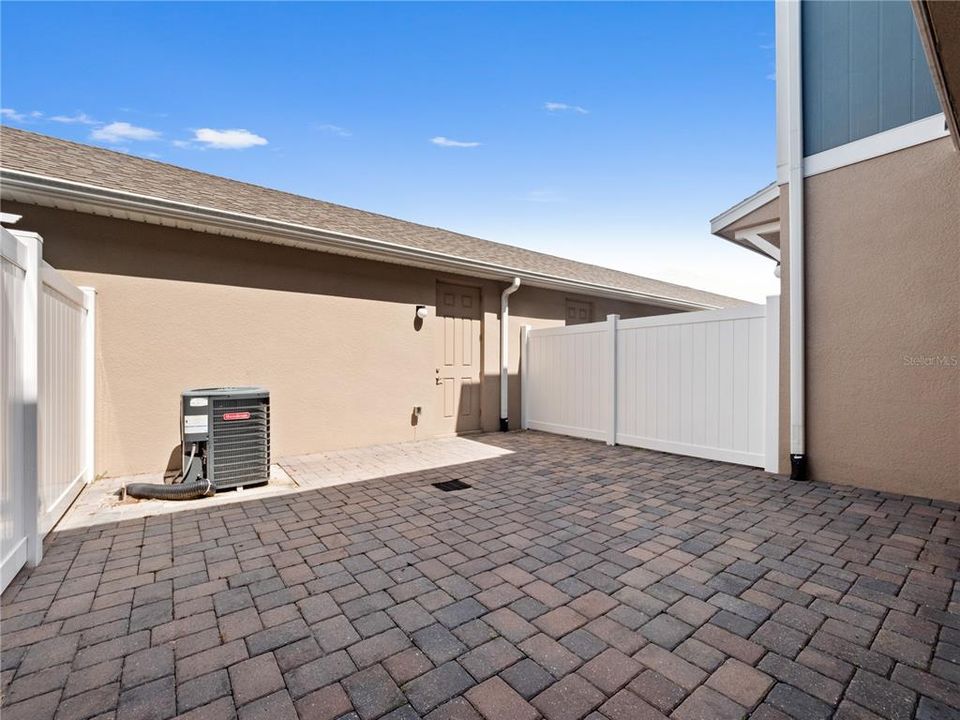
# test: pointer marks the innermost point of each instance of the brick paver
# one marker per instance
(572, 580)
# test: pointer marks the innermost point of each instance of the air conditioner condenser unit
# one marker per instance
(226, 436)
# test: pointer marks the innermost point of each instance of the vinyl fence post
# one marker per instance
(524, 375)
(771, 440)
(612, 321)
(89, 382)
(31, 396)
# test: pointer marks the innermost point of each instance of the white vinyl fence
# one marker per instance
(46, 398)
(702, 383)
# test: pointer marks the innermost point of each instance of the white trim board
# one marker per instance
(884, 143)
(745, 207)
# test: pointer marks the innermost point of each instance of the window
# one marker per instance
(864, 71)
(579, 311)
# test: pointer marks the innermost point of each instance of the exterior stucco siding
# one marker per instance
(333, 338)
(883, 289)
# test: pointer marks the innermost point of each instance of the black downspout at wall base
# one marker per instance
(798, 467)
(504, 424)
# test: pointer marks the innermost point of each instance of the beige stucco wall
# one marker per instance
(883, 286)
(333, 338)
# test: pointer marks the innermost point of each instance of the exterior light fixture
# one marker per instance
(422, 311)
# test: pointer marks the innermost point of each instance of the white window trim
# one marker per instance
(884, 143)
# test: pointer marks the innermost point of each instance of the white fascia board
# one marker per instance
(744, 207)
(884, 143)
(55, 192)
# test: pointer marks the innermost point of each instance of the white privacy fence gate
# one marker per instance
(701, 383)
(46, 398)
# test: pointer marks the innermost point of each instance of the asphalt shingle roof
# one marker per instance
(30, 152)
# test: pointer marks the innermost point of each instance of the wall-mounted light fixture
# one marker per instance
(422, 312)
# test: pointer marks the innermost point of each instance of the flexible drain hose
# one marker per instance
(182, 491)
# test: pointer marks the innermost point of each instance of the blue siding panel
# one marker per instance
(835, 75)
(896, 65)
(864, 71)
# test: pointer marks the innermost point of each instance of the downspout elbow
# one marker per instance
(507, 292)
(505, 352)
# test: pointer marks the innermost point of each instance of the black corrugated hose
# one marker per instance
(178, 491)
(181, 491)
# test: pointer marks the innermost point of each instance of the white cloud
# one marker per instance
(11, 114)
(233, 139)
(77, 118)
(564, 107)
(119, 132)
(334, 130)
(447, 142)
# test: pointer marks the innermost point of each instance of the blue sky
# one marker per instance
(609, 133)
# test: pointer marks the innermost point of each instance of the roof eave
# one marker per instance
(744, 208)
(37, 189)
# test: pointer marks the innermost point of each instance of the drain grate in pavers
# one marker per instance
(451, 485)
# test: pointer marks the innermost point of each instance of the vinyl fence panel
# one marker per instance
(13, 525)
(46, 398)
(62, 466)
(701, 383)
(568, 380)
(693, 384)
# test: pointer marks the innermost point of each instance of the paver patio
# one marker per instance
(572, 580)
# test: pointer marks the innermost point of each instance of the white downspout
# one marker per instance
(798, 459)
(505, 353)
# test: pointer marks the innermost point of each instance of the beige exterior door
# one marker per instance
(458, 358)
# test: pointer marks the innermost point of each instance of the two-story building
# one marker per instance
(864, 223)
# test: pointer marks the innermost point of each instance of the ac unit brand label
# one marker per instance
(198, 402)
(236, 416)
(194, 424)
